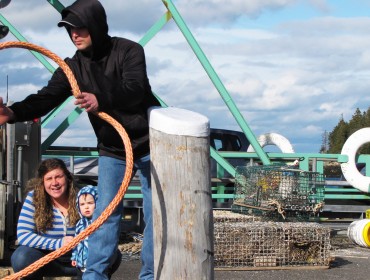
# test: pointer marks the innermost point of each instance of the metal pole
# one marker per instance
(217, 82)
(10, 128)
(19, 174)
(72, 164)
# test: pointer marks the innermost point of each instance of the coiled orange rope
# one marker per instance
(125, 182)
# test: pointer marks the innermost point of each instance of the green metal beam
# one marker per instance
(60, 129)
(347, 196)
(19, 36)
(216, 81)
(57, 5)
(223, 162)
(53, 113)
(150, 34)
(155, 28)
(341, 190)
(81, 154)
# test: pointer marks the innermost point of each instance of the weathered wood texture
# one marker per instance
(182, 206)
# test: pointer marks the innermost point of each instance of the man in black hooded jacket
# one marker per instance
(111, 74)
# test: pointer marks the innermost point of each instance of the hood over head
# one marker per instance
(86, 190)
(89, 14)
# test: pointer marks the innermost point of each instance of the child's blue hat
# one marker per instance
(87, 190)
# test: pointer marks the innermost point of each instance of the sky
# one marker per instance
(292, 67)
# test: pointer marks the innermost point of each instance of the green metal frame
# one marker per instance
(172, 13)
(314, 161)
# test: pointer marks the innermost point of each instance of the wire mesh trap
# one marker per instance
(278, 192)
(130, 245)
(254, 245)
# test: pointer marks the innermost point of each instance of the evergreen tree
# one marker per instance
(367, 118)
(325, 143)
(338, 137)
(365, 149)
(356, 123)
(343, 130)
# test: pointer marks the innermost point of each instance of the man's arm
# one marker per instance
(38, 104)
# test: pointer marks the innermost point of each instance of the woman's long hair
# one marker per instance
(43, 204)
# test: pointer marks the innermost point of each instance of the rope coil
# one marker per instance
(125, 182)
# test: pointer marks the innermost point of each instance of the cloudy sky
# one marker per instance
(293, 67)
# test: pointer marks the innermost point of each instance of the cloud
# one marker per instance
(279, 78)
(295, 76)
(199, 12)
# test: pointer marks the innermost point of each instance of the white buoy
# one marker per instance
(359, 232)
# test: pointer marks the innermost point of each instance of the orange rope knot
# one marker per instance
(125, 182)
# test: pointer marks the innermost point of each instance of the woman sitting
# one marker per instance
(47, 220)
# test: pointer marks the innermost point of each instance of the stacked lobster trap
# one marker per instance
(270, 245)
(278, 192)
(267, 227)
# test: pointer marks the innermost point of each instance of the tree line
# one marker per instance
(333, 141)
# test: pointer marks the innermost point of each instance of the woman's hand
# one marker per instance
(66, 240)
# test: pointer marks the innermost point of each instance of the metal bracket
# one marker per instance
(13, 183)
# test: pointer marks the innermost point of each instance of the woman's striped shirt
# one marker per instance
(49, 240)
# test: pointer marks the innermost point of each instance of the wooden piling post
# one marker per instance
(182, 202)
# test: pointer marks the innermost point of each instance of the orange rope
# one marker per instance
(125, 182)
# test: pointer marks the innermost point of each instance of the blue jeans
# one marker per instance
(103, 242)
(23, 256)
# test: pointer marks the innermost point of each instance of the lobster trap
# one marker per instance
(278, 192)
(244, 243)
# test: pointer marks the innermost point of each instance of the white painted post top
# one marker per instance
(178, 121)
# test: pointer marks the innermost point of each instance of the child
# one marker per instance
(86, 201)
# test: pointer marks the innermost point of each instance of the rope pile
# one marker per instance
(125, 182)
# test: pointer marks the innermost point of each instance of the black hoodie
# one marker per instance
(115, 71)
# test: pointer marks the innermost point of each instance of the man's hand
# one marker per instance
(6, 114)
(88, 101)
